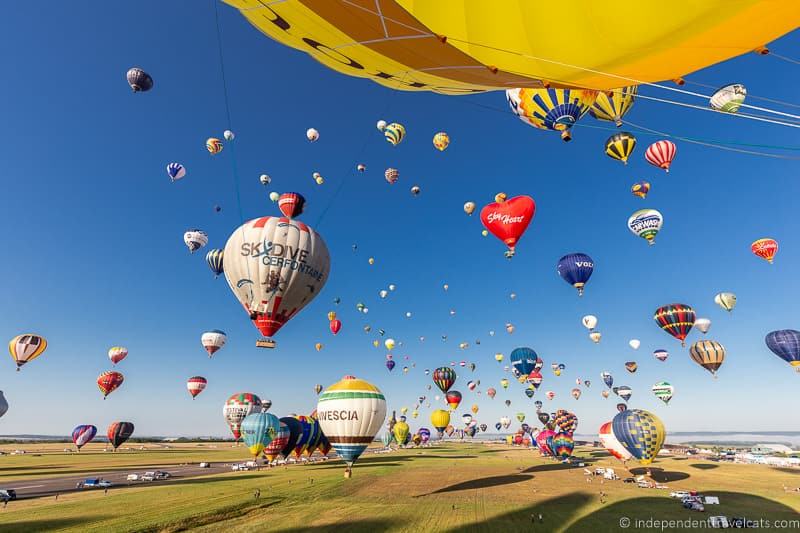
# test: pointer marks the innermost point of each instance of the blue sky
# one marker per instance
(93, 229)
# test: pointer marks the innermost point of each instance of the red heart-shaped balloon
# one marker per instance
(508, 220)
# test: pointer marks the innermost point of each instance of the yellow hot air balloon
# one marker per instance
(25, 348)
(620, 146)
(440, 420)
(726, 300)
(331, 316)
(498, 357)
(441, 140)
(551, 109)
(457, 47)
(400, 431)
(376, 343)
(613, 105)
(389, 343)
(404, 410)
(414, 413)
(474, 409)
(318, 346)
(394, 133)
(504, 383)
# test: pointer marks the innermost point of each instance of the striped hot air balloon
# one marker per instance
(273, 449)
(350, 414)
(708, 354)
(620, 146)
(258, 430)
(83, 434)
(613, 105)
(196, 385)
(25, 348)
(214, 259)
(563, 445)
(661, 153)
(213, 340)
(176, 171)
(213, 145)
(551, 109)
(394, 133)
(765, 249)
(444, 378)
(785, 343)
(117, 354)
(237, 407)
(676, 319)
(291, 204)
(611, 444)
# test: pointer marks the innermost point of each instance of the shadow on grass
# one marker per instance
(600, 454)
(555, 513)
(358, 466)
(51, 524)
(482, 483)
(370, 525)
(704, 466)
(659, 474)
(786, 470)
(550, 467)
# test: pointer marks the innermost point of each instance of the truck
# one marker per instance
(94, 483)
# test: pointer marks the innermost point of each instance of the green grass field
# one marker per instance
(453, 487)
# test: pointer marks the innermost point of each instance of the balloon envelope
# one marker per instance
(641, 433)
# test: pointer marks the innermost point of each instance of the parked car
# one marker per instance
(678, 494)
(94, 483)
(205, 465)
(643, 484)
(629, 480)
(148, 476)
(160, 474)
(7, 495)
(133, 477)
(694, 505)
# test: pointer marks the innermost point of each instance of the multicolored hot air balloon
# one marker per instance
(441, 141)
(196, 385)
(507, 220)
(708, 354)
(279, 441)
(728, 99)
(765, 249)
(117, 354)
(624, 392)
(640, 188)
(550, 108)
(26, 347)
(213, 340)
(444, 378)
(118, 433)
(646, 223)
(576, 269)
(394, 133)
(663, 391)
(563, 444)
(391, 175)
(453, 399)
(237, 407)
(661, 354)
(785, 343)
(620, 146)
(612, 105)
(523, 361)
(109, 381)
(564, 420)
(214, 260)
(214, 145)
(607, 378)
(350, 414)
(258, 430)
(676, 319)
(661, 154)
(631, 366)
(640, 432)
(82, 435)
(611, 444)
(176, 171)
(275, 267)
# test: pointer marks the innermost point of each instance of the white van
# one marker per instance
(609, 474)
(133, 477)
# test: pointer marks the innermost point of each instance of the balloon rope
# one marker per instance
(784, 58)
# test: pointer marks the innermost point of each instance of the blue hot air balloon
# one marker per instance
(523, 361)
(785, 343)
(608, 379)
(258, 430)
(390, 365)
(576, 269)
(640, 432)
(83, 434)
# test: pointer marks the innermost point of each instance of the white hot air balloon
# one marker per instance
(3, 404)
(213, 340)
(312, 134)
(275, 267)
(728, 99)
(389, 344)
(726, 300)
(381, 125)
(634, 343)
(228, 135)
(274, 196)
(195, 239)
(595, 336)
(646, 223)
(589, 322)
(265, 179)
(702, 324)
(350, 414)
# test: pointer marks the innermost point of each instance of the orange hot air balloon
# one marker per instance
(765, 248)
(109, 381)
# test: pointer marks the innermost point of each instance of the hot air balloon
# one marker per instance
(26, 347)
(258, 430)
(785, 343)
(620, 146)
(213, 145)
(117, 354)
(318, 178)
(595, 336)
(640, 188)
(613, 105)
(390, 365)
(139, 80)
(317, 388)
(589, 322)
(469, 208)
(728, 99)
(631, 366)
(535, 378)
(676, 319)
(565, 421)
(391, 175)
(466, 418)
(265, 179)
(521, 417)
(634, 343)
(82, 435)
(551, 108)
(444, 378)
(509, 219)
(453, 398)
(387, 438)
(611, 444)
(318, 346)
(474, 409)
(576, 393)
(237, 407)
(661, 154)
(544, 418)
(523, 361)
(563, 445)
(292, 204)
(607, 378)
(266, 404)
(703, 325)
(350, 414)
(215, 261)
(312, 134)
(471, 385)
(295, 432)
(726, 300)
(195, 239)
(661, 354)
(604, 394)
(440, 419)
(3, 404)
(424, 434)
(499, 357)
(275, 267)
(274, 197)
(510, 327)
(176, 171)
(335, 325)
(196, 385)
(550, 395)
(765, 248)
(504, 383)
(118, 433)
(663, 391)
(394, 133)
(228, 135)
(576, 269)
(213, 340)
(389, 344)
(441, 141)
(109, 381)
(708, 354)
(279, 441)
(640, 432)
(624, 392)
(646, 223)
(491, 392)
(622, 407)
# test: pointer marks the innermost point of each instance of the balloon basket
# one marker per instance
(265, 343)
(348, 473)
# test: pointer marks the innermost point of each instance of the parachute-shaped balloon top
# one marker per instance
(676, 319)
(620, 146)
(614, 104)
(139, 80)
(551, 109)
